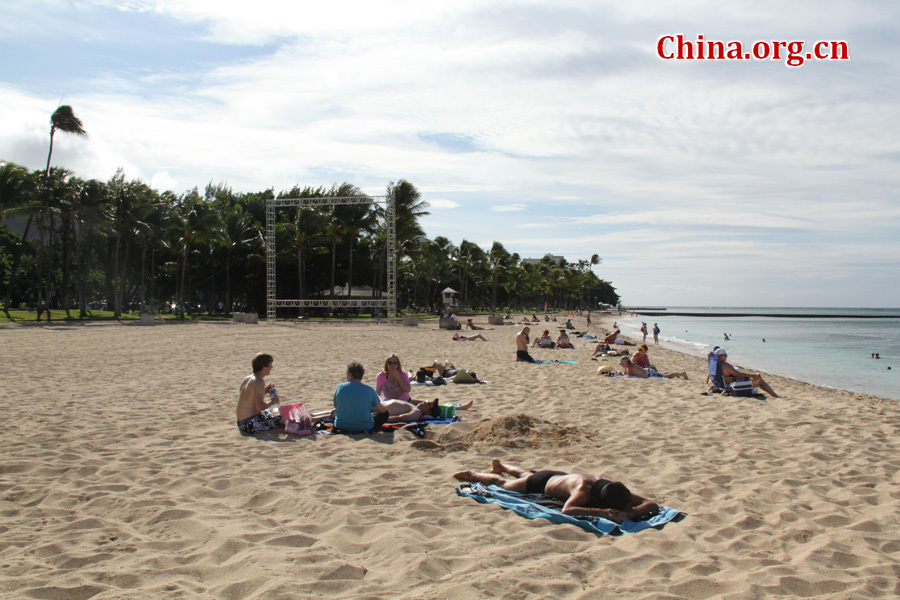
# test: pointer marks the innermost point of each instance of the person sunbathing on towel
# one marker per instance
(468, 338)
(603, 348)
(630, 369)
(407, 412)
(584, 495)
(616, 338)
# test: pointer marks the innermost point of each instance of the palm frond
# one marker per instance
(64, 119)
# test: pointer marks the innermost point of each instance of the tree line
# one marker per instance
(125, 245)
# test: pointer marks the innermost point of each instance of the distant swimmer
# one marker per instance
(726, 337)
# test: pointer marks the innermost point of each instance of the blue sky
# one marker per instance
(550, 126)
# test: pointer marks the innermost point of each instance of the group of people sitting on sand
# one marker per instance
(546, 341)
(358, 407)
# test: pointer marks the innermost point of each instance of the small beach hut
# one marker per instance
(448, 298)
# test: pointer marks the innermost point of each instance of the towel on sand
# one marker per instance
(564, 362)
(390, 427)
(533, 506)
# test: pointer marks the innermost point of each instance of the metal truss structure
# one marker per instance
(388, 300)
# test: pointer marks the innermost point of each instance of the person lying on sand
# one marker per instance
(630, 369)
(473, 326)
(407, 412)
(733, 374)
(584, 495)
(522, 346)
(468, 338)
(253, 414)
(616, 338)
(603, 348)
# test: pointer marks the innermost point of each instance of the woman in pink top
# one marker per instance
(640, 357)
(392, 383)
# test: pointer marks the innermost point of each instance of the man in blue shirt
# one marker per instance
(355, 401)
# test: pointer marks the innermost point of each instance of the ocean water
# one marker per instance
(829, 350)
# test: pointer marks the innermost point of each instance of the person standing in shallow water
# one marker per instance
(656, 334)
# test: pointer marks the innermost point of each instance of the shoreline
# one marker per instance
(132, 480)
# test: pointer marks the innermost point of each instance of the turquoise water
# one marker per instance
(827, 350)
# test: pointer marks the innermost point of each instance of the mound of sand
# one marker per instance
(518, 431)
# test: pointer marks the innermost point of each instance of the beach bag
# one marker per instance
(464, 377)
(742, 388)
(297, 419)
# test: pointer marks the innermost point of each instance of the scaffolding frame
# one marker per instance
(388, 300)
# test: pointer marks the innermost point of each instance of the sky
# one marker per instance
(550, 126)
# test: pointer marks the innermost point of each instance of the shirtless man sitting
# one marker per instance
(584, 495)
(522, 346)
(253, 414)
(732, 374)
(632, 370)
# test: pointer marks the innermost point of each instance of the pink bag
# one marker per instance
(297, 419)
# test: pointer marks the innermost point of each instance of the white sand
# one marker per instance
(123, 474)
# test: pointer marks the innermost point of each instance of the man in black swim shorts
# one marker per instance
(522, 346)
(584, 495)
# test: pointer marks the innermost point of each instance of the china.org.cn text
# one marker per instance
(794, 53)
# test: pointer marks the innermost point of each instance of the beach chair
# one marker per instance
(741, 388)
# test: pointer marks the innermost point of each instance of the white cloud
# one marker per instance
(508, 207)
(442, 204)
(535, 103)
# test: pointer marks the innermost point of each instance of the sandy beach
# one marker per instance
(124, 476)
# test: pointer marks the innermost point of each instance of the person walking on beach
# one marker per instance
(588, 319)
(522, 346)
(644, 331)
(732, 374)
(584, 495)
(656, 334)
(253, 414)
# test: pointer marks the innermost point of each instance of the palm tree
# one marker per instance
(498, 258)
(12, 186)
(89, 213)
(238, 233)
(63, 119)
(192, 220)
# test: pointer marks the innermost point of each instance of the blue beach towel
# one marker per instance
(534, 506)
(562, 362)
